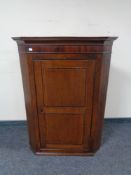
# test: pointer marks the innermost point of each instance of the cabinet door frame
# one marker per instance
(82, 64)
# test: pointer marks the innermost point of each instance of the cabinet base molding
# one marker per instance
(64, 154)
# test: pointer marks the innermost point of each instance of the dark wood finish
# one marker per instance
(65, 82)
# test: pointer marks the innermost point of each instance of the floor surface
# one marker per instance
(113, 158)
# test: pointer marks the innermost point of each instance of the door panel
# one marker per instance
(68, 128)
(64, 99)
(64, 86)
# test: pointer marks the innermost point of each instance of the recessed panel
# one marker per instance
(64, 128)
(64, 86)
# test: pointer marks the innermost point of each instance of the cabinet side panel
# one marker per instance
(99, 99)
(29, 95)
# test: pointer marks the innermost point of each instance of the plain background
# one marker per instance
(65, 18)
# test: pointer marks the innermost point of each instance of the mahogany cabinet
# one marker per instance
(65, 82)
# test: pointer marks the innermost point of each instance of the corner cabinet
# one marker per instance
(65, 83)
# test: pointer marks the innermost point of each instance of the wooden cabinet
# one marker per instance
(65, 82)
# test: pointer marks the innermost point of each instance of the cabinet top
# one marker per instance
(100, 39)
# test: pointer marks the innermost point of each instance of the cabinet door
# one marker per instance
(64, 90)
